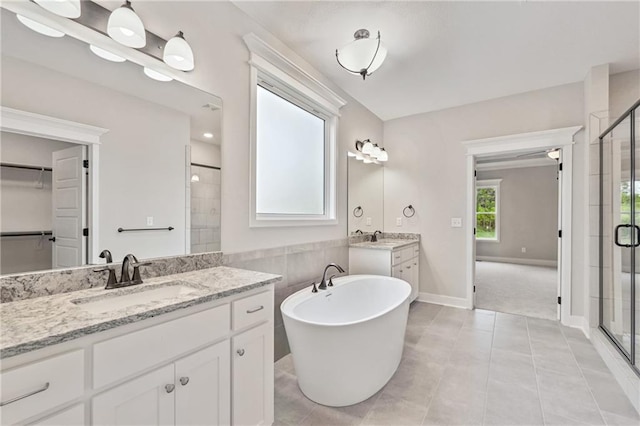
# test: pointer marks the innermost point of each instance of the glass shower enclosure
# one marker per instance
(620, 234)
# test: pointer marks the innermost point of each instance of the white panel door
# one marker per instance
(69, 213)
(203, 381)
(145, 401)
(252, 355)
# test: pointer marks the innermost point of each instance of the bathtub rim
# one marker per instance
(305, 294)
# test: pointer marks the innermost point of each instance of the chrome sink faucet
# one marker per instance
(323, 283)
(374, 237)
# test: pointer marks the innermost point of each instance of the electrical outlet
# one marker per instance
(524, 249)
(398, 221)
(368, 221)
(456, 222)
(149, 220)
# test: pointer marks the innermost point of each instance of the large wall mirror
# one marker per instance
(365, 196)
(153, 188)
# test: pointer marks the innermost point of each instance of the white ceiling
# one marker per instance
(444, 54)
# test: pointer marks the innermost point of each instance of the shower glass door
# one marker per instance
(620, 235)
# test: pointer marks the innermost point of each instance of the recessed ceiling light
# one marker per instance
(208, 135)
(39, 28)
(156, 75)
(105, 54)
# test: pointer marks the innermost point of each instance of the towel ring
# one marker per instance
(411, 210)
(358, 210)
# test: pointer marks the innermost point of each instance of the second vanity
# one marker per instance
(397, 258)
(200, 352)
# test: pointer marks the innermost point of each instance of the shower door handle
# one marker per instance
(637, 240)
(617, 236)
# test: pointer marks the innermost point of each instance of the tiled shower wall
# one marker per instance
(299, 265)
(205, 210)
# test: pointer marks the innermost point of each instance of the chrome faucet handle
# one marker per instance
(112, 281)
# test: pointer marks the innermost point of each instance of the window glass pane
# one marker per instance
(290, 163)
(486, 199)
(486, 225)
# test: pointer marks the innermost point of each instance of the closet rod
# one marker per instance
(26, 234)
(205, 166)
(27, 167)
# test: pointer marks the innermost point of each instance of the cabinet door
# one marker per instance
(415, 278)
(203, 387)
(252, 371)
(147, 400)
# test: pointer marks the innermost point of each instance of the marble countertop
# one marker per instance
(33, 324)
(385, 244)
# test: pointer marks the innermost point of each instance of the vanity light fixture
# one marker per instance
(126, 27)
(64, 8)
(156, 75)
(374, 155)
(363, 55)
(38, 27)
(208, 135)
(105, 54)
(367, 147)
(178, 53)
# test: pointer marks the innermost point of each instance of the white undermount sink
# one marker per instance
(132, 296)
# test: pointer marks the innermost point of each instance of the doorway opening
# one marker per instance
(546, 141)
(517, 241)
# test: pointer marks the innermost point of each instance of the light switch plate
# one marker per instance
(456, 222)
(149, 220)
(368, 221)
(398, 221)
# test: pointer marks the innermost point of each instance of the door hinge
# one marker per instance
(560, 166)
(474, 288)
(475, 173)
(85, 232)
(85, 164)
(474, 231)
(560, 233)
(559, 300)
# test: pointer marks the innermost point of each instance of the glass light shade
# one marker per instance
(367, 160)
(359, 156)
(555, 154)
(178, 54)
(156, 75)
(376, 151)
(66, 8)
(39, 28)
(367, 148)
(105, 54)
(383, 156)
(358, 54)
(351, 154)
(126, 27)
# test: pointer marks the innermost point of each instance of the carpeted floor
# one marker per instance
(517, 289)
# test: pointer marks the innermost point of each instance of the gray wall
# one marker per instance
(528, 214)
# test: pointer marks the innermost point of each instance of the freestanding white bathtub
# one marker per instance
(347, 341)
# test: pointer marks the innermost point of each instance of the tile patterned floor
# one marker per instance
(477, 367)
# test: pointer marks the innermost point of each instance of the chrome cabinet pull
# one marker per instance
(259, 308)
(240, 352)
(26, 395)
(184, 381)
(170, 387)
(409, 267)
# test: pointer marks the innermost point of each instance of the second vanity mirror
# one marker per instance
(365, 196)
(147, 183)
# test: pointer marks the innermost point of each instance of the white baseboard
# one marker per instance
(578, 322)
(438, 299)
(519, 261)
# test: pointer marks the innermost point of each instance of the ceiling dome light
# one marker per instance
(105, 54)
(178, 53)
(126, 27)
(195, 178)
(362, 56)
(65, 8)
(39, 28)
(156, 75)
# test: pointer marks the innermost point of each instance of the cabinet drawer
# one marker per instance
(416, 250)
(252, 310)
(402, 255)
(34, 388)
(123, 356)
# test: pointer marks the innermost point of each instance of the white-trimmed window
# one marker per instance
(294, 122)
(488, 210)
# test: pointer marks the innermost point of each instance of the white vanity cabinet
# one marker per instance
(210, 364)
(400, 262)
